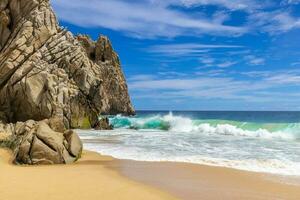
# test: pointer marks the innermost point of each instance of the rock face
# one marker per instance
(103, 124)
(36, 143)
(47, 73)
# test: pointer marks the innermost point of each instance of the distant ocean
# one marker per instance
(254, 141)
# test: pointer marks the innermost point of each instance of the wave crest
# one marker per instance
(173, 123)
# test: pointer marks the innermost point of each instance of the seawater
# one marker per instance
(254, 141)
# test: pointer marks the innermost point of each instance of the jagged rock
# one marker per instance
(103, 124)
(47, 73)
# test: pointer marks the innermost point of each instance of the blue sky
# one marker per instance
(199, 54)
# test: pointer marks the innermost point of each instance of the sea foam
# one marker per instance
(260, 147)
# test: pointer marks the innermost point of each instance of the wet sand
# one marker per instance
(194, 182)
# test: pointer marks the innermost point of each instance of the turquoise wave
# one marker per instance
(140, 123)
(183, 124)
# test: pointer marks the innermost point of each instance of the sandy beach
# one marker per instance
(169, 99)
(88, 179)
(101, 177)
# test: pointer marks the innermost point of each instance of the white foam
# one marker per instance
(187, 125)
(272, 166)
(227, 129)
(179, 124)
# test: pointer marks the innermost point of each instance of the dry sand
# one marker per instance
(88, 179)
(97, 177)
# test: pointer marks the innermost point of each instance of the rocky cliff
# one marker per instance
(47, 73)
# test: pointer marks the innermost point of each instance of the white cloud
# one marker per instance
(214, 84)
(172, 74)
(260, 74)
(288, 2)
(274, 22)
(188, 48)
(212, 73)
(207, 60)
(229, 4)
(285, 79)
(157, 18)
(257, 61)
(139, 18)
(253, 60)
(226, 64)
(141, 77)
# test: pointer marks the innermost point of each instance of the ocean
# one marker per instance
(254, 141)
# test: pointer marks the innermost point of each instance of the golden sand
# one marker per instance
(88, 179)
(96, 177)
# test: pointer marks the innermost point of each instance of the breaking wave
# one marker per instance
(174, 123)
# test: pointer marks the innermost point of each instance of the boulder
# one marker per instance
(39, 144)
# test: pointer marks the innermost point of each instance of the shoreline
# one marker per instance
(95, 176)
(191, 181)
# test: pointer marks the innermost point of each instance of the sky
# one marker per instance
(199, 54)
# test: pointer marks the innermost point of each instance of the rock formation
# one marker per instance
(103, 124)
(47, 73)
(36, 143)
